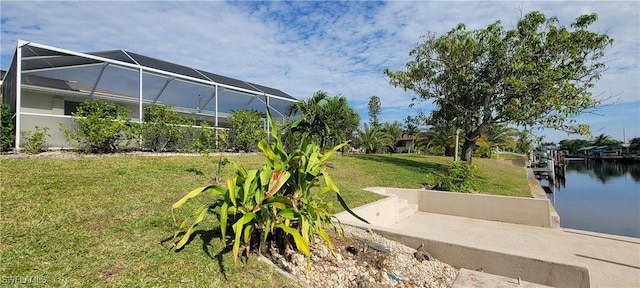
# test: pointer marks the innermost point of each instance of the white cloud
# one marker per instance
(302, 47)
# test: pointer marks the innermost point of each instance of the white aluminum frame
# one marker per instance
(141, 69)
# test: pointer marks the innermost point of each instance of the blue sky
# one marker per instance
(302, 47)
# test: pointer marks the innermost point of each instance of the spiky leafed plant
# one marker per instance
(282, 199)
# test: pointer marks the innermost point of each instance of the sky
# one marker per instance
(301, 47)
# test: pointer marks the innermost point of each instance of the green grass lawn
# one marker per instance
(107, 221)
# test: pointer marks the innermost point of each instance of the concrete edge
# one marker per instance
(509, 209)
(469, 278)
(535, 270)
(538, 192)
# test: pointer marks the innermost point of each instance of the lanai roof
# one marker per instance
(157, 80)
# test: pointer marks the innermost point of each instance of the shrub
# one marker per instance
(100, 127)
(7, 131)
(210, 139)
(460, 177)
(247, 128)
(222, 139)
(281, 201)
(164, 130)
(35, 140)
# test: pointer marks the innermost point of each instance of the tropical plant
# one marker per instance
(35, 141)
(511, 144)
(222, 139)
(7, 131)
(100, 127)
(460, 177)
(537, 74)
(279, 202)
(247, 128)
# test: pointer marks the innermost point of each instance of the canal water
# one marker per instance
(599, 197)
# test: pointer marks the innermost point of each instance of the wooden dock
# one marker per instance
(548, 166)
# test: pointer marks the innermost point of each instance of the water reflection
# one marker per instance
(600, 197)
(605, 171)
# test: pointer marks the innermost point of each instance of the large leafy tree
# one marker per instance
(536, 74)
(573, 145)
(311, 115)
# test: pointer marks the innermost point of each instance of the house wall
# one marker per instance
(49, 108)
(46, 109)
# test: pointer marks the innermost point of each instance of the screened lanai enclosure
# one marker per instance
(45, 84)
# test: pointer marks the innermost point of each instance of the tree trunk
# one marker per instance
(467, 150)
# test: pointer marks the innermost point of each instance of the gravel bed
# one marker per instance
(365, 259)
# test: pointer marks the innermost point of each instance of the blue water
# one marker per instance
(599, 197)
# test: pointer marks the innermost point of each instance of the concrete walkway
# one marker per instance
(613, 261)
(514, 237)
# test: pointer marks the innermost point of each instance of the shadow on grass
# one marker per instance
(520, 162)
(206, 236)
(418, 166)
(195, 171)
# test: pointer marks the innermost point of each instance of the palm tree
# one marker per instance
(326, 120)
(394, 132)
(604, 140)
(483, 146)
(371, 138)
(438, 136)
(310, 112)
(524, 141)
(340, 119)
(412, 131)
(495, 136)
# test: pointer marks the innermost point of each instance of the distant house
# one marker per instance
(45, 84)
(404, 144)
